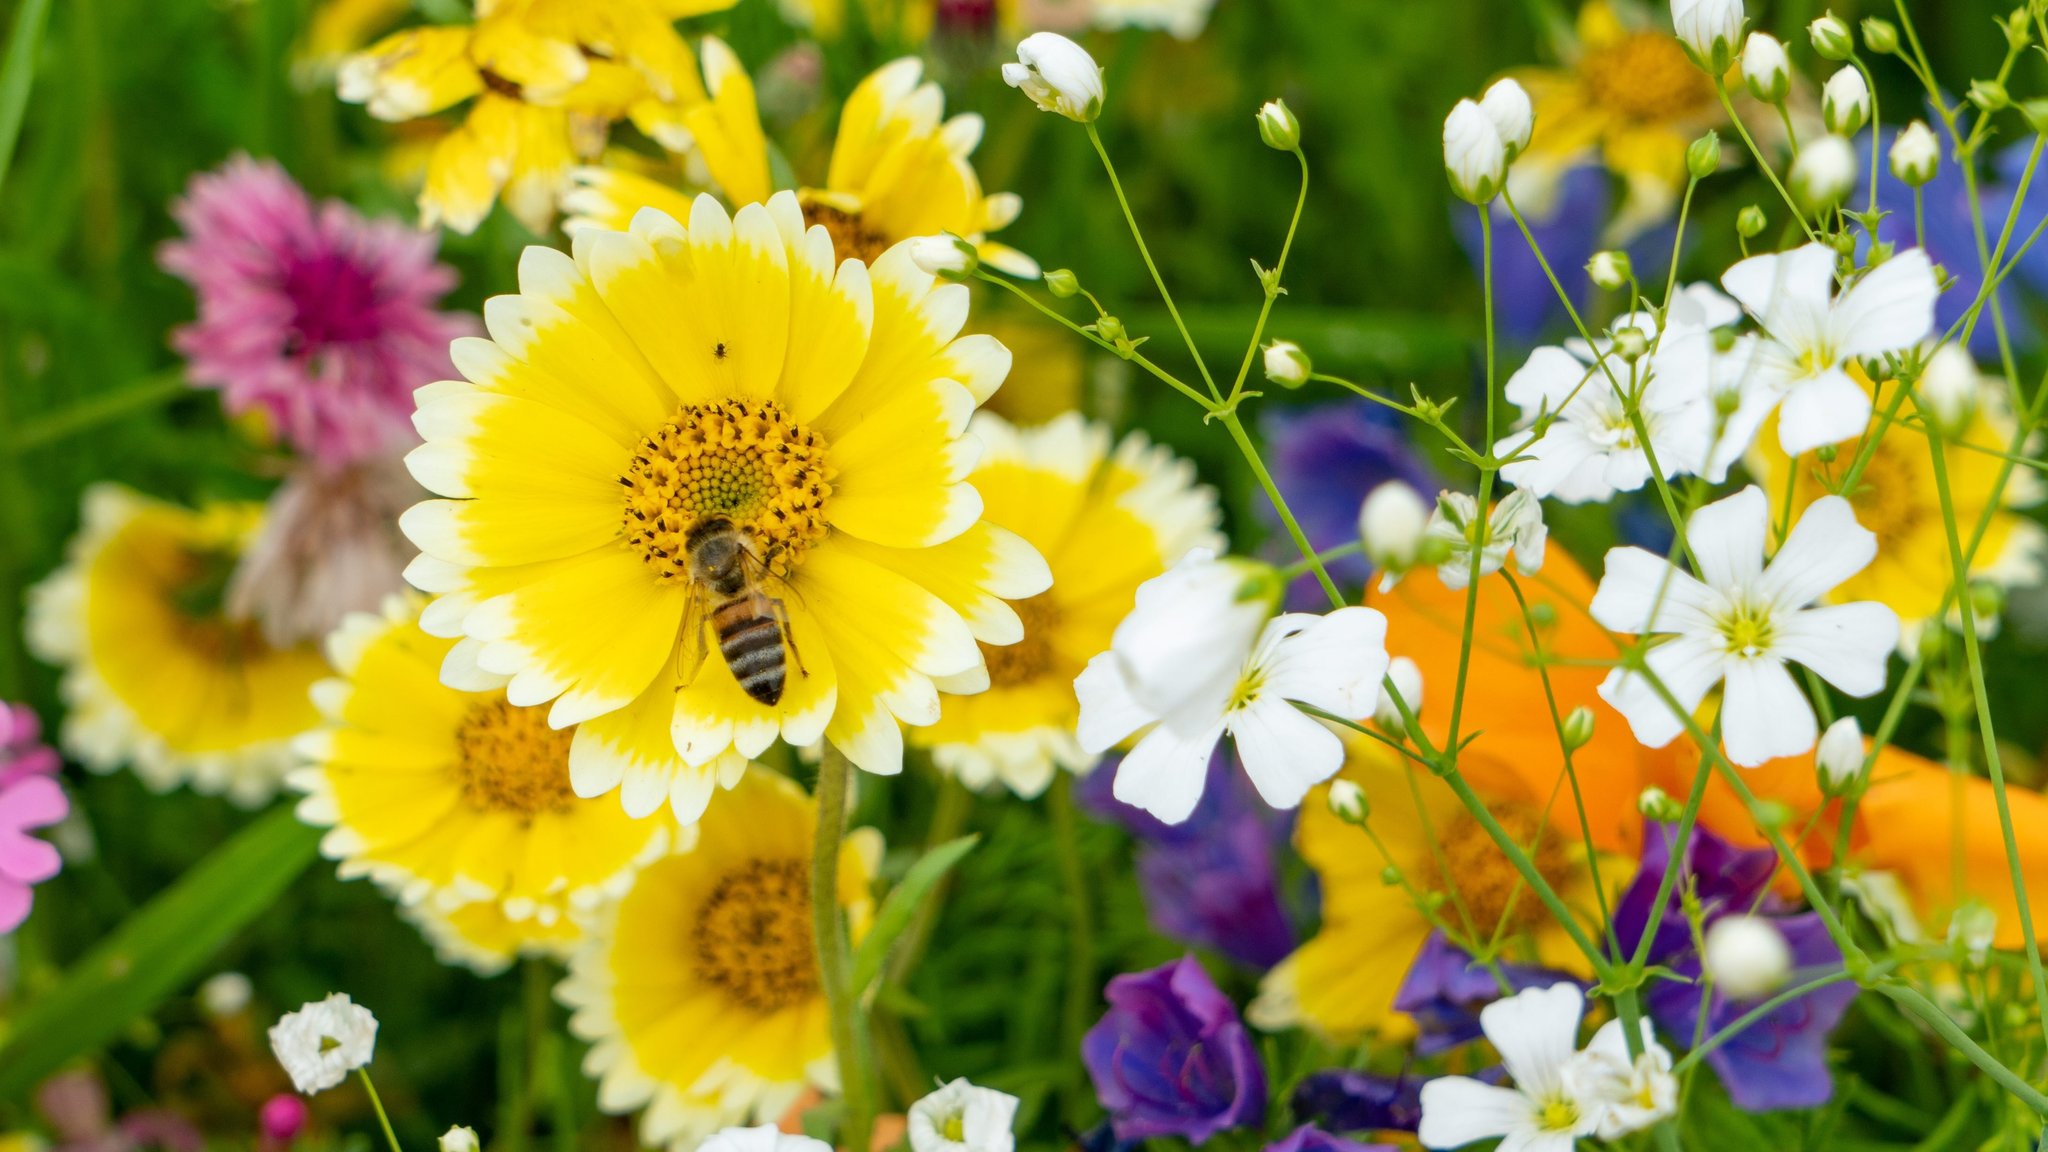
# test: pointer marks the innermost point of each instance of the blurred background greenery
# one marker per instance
(131, 97)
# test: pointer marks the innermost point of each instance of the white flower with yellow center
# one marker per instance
(699, 990)
(900, 167)
(1537, 1035)
(454, 796)
(691, 452)
(1106, 517)
(157, 676)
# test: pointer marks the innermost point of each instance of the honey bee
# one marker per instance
(727, 582)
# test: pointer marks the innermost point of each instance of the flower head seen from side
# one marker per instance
(158, 676)
(962, 1117)
(451, 796)
(1740, 622)
(790, 457)
(1241, 685)
(699, 989)
(1171, 1057)
(1537, 1035)
(1810, 335)
(1897, 499)
(1058, 75)
(1107, 516)
(30, 798)
(324, 1041)
(329, 546)
(1592, 449)
(322, 321)
(900, 168)
(1512, 526)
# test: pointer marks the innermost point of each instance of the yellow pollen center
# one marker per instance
(753, 935)
(1747, 631)
(741, 460)
(1487, 885)
(1646, 78)
(1032, 657)
(954, 1128)
(1558, 1114)
(852, 239)
(1890, 495)
(509, 760)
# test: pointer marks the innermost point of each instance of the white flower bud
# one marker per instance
(1348, 803)
(1830, 35)
(1474, 154)
(1407, 680)
(460, 1138)
(1391, 523)
(1507, 105)
(1059, 76)
(1824, 173)
(1710, 29)
(1578, 727)
(1839, 758)
(1278, 126)
(1656, 804)
(944, 254)
(1746, 957)
(1845, 102)
(1610, 269)
(1916, 155)
(1765, 68)
(225, 994)
(1631, 343)
(1948, 389)
(1287, 365)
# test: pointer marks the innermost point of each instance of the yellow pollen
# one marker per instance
(1032, 657)
(753, 935)
(743, 460)
(1747, 631)
(1492, 892)
(1890, 497)
(1646, 78)
(1558, 1114)
(851, 238)
(509, 760)
(954, 1128)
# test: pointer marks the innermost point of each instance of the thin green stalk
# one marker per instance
(377, 1102)
(94, 411)
(18, 75)
(1762, 162)
(1527, 868)
(1163, 375)
(1158, 281)
(1273, 289)
(1912, 1001)
(1704, 1048)
(1080, 996)
(828, 934)
(1308, 552)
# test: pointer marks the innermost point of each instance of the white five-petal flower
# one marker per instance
(764, 1138)
(1058, 75)
(321, 1043)
(1741, 622)
(1515, 525)
(1810, 335)
(1631, 1094)
(1157, 677)
(1537, 1034)
(962, 1117)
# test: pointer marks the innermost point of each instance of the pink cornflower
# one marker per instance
(29, 798)
(320, 318)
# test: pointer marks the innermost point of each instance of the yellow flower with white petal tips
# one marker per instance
(479, 935)
(733, 376)
(453, 796)
(1106, 518)
(1896, 498)
(899, 168)
(545, 80)
(156, 676)
(699, 990)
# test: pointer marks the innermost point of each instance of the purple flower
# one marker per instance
(1347, 1101)
(1212, 881)
(1780, 1061)
(1171, 1057)
(29, 799)
(1444, 991)
(1325, 459)
(321, 319)
(1309, 1138)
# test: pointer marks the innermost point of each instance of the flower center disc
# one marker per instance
(509, 760)
(1885, 496)
(851, 239)
(1486, 883)
(1646, 78)
(745, 461)
(753, 935)
(1032, 657)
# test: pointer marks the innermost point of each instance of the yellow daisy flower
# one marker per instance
(156, 676)
(674, 395)
(699, 990)
(452, 796)
(544, 80)
(1106, 519)
(899, 167)
(479, 935)
(1629, 97)
(1896, 498)
(1342, 982)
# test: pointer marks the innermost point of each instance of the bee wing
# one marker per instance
(693, 647)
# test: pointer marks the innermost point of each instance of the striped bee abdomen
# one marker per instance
(750, 639)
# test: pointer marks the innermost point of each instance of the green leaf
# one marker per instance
(156, 950)
(901, 904)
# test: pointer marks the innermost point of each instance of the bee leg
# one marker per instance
(788, 637)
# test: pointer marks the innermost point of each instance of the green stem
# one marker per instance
(18, 74)
(102, 409)
(828, 932)
(377, 1102)
(1158, 281)
(1273, 290)
(1080, 990)
(1742, 130)
(1308, 552)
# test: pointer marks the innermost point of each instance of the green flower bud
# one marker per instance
(1880, 35)
(1578, 728)
(1989, 95)
(1062, 282)
(1831, 37)
(1750, 222)
(1348, 803)
(1703, 158)
(1278, 126)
